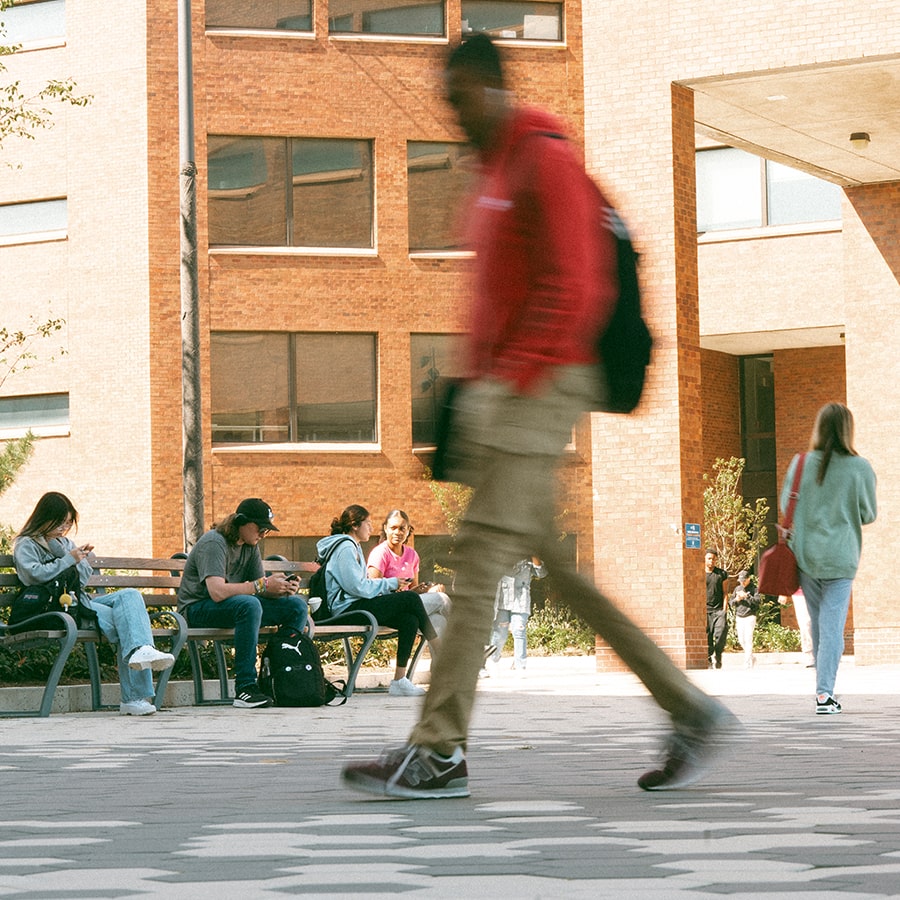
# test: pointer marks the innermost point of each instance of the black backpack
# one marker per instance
(291, 672)
(317, 584)
(624, 345)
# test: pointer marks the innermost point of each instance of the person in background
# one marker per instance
(804, 625)
(43, 551)
(836, 498)
(224, 585)
(390, 600)
(545, 284)
(745, 603)
(716, 615)
(392, 557)
(513, 607)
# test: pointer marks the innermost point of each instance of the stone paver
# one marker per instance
(231, 803)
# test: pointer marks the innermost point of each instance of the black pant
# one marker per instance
(403, 611)
(716, 633)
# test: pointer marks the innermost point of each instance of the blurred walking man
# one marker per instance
(541, 292)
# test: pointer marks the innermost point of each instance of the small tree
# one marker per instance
(16, 354)
(734, 528)
(22, 114)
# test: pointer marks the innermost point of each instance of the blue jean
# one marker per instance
(504, 622)
(245, 614)
(124, 622)
(828, 601)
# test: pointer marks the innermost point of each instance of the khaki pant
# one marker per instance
(511, 446)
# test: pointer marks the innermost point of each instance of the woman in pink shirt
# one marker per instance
(394, 558)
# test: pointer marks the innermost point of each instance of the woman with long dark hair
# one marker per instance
(836, 498)
(43, 552)
(388, 599)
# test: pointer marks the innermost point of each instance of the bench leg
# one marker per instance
(411, 668)
(354, 663)
(93, 661)
(179, 639)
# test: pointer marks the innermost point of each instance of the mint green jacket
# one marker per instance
(828, 519)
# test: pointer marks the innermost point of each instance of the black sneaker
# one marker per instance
(410, 773)
(827, 705)
(251, 698)
(691, 752)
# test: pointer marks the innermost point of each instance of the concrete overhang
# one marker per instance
(804, 116)
(759, 343)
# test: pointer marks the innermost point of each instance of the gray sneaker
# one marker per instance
(692, 751)
(410, 773)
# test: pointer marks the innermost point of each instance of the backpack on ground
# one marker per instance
(317, 587)
(291, 672)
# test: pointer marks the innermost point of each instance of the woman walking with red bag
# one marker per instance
(836, 498)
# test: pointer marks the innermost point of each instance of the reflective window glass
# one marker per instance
(438, 175)
(512, 20)
(400, 17)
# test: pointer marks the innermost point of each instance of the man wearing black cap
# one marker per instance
(225, 586)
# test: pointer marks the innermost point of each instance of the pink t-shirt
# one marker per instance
(391, 566)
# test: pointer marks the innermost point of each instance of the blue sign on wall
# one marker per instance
(692, 535)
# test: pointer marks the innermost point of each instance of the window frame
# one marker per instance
(56, 429)
(294, 403)
(395, 37)
(290, 182)
(40, 43)
(763, 227)
(40, 236)
(523, 41)
(253, 31)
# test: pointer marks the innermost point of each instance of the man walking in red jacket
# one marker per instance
(542, 292)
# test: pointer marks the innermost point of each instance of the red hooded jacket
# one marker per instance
(546, 278)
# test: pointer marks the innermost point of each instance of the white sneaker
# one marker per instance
(403, 687)
(136, 708)
(148, 657)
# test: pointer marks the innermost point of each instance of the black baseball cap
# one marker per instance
(257, 511)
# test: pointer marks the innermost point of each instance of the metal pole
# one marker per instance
(191, 422)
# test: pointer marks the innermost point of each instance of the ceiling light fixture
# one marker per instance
(859, 140)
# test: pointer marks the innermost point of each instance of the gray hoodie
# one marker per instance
(345, 575)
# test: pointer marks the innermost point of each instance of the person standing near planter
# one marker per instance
(745, 603)
(836, 498)
(716, 616)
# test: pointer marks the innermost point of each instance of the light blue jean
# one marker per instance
(828, 601)
(124, 622)
(245, 614)
(504, 622)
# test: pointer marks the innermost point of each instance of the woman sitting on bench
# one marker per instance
(43, 552)
(349, 589)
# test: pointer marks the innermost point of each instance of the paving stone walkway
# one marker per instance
(224, 803)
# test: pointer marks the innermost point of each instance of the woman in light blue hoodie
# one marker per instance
(349, 589)
(835, 499)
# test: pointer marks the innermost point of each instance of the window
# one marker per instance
(269, 15)
(43, 414)
(269, 387)
(433, 359)
(34, 22)
(401, 17)
(296, 549)
(736, 189)
(510, 20)
(36, 220)
(438, 175)
(329, 203)
(760, 478)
